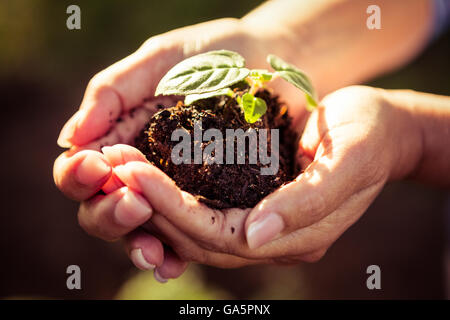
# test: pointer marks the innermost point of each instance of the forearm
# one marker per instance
(330, 41)
(427, 158)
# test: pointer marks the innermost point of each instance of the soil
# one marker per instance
(220, 185)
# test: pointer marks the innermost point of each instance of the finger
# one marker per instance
(125, 128)
(116, 155)
(80, 175)
(310, 243)
(180, 208)
(122, 153)
(213, 230)
(171, 268)
(195, 220)
(342, 166)
(315, 129)
(112, 184)
(114, 215)
(116, 90)
(189, 249)
(145, 251)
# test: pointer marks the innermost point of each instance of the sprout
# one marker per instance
(213, 73)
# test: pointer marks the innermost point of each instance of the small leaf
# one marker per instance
(202, 73)
(261, 75)
(310, 103)
(254, 107)
(189, 99)
(296, 77)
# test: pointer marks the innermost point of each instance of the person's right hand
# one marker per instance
(353, 143)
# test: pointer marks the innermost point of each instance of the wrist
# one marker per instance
(226, 33)
(430, 114)
(406, 134)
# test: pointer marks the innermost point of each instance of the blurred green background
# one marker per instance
(44, 68)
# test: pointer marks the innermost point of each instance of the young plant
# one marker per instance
(213, 73)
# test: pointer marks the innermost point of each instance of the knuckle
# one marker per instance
(314, 206)
(153, 42)
(91, 221)
(200, 256)
(98, 81)
(85, 224)
(204, 257)
(208, 245)
(101, 86)
(317, 203)
(190, 253)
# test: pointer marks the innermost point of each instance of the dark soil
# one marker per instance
(220, 185)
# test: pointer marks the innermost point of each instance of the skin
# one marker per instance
(357, 140)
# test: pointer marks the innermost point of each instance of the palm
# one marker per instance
(124, 128)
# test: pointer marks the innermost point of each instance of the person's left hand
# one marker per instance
(116, 106)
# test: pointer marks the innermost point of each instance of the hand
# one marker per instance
(117, 104)
(352, 144)
(124, 91)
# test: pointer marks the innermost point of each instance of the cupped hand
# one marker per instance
(351, 146)
(347, 148)
(117, 103)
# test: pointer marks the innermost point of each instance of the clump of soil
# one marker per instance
(220, 185)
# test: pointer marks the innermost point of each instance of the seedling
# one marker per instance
(213, 74)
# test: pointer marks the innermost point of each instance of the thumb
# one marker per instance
(336, 173)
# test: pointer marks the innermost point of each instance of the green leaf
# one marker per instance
(204, 72)
(261, 75)
(296, 77)
(310, 103)
(189, 99)
(254, 107)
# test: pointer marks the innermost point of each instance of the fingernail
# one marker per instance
(123, 173)
(112, 184)
(158, 277)
(68, 130)
(108, 151)
(131, 210)
(264, 229)
(92, 170)
(139, 260)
